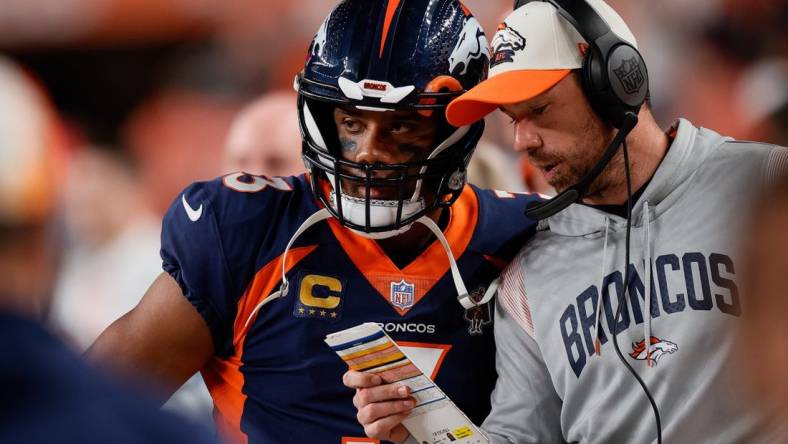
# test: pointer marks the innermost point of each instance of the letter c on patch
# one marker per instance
(308, 285)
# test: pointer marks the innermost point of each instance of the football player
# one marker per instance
(383, 228)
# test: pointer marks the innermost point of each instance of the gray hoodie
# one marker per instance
(552, 385)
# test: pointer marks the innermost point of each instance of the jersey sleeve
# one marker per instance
(525, 407)
(193, 254)
(504, 240)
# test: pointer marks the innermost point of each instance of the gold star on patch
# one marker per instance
(301, 310)
(322, 312)
(311, 311)
(333, 315)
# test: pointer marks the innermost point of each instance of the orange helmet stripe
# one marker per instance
(390, 9)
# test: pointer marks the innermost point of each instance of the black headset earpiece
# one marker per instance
(614, 74)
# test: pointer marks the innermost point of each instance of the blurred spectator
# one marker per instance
(49, 396)
(265, 138)
(32, 151)
(763, 97)
(764, 353)
(490, 168)
(764, 89)
(177, 135)
(113, 246)
(776, 125)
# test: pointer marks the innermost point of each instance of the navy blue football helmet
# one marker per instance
(388, 55)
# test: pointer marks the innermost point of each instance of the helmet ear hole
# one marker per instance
(457, 180)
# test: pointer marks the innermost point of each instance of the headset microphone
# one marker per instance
(543, 210)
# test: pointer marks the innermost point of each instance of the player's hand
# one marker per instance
(381, 407)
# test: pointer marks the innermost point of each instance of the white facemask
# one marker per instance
(381, 213)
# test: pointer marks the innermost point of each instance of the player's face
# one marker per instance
(560, 134)
(390, 137)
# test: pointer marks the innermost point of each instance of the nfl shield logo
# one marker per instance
(402, 294)
(630, 75)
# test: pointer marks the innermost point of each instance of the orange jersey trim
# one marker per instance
(223, 377)
(357, 440)
(425, 270)
(497, 262)
(445, 351)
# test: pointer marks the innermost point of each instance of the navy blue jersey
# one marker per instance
(273, 379)
(50, 396)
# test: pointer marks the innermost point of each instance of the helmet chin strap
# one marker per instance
(462, 292)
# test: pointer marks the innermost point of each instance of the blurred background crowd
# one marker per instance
(121, 103)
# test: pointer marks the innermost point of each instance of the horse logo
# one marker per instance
(319, 42)
(479, 315)
(505, 43)
(472, 45)
(659, 348)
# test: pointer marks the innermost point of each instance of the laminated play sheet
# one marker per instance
(435, 419)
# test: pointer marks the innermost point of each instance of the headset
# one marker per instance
(615, 82)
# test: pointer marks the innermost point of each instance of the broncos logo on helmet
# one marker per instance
(472, 45)
(659, 347)
(319, 41)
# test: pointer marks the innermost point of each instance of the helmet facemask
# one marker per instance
(413, 189)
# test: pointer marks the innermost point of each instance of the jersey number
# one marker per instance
(254, 184)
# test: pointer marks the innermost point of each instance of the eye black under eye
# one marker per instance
(402, 126)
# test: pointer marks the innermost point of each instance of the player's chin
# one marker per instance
(360, 191)
(388, 190)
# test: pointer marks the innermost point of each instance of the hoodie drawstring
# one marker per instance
(647, 306)
(597, 347)
(647, 265)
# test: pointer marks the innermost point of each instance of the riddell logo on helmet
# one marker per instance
(375, 86)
